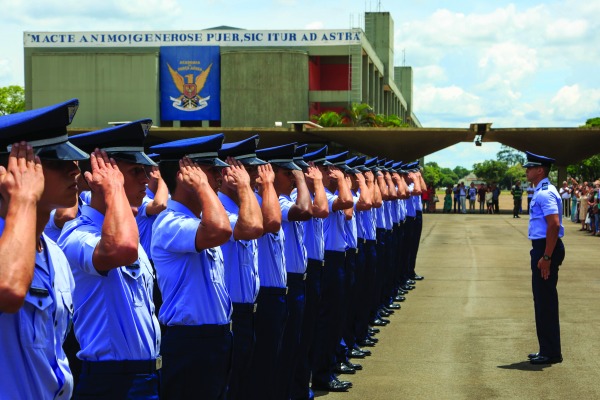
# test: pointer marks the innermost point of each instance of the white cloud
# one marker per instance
(447, 101)
(514, 61)
(576, 102)
(430, 74)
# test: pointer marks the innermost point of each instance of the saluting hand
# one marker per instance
(235, 175)
(360, 178)
(335, 173)
(313, 173)
(23, 179)
(190, 175)
(105, 177)
(369, 177)
(265, 174)
(154, 173)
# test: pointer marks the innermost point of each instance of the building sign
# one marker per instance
(189, 83)
(238, 37)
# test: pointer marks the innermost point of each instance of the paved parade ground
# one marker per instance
(466, 330)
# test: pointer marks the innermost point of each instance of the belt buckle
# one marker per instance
(254, 310)
(304, 277)
(286, 290)
(356, 250)
(323, 263)
(158, 362)
(230, 326)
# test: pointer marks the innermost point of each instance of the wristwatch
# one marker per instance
(547, 257)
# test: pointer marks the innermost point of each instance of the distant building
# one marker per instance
(221, 77)
(471, 178)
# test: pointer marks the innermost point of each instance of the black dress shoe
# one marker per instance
(384, 313)
(385, 321)
(349, 384)
(417, 277)
(364, 351)
(332, 386)
(366, 343)
(410, 282)
(539, 360)
(356, 367)
(533, 355)
(393, 306)
(373, 339)
(407, 287)
(342, 368)
(401, 291)
(378, 322)
(399, 298)
(356, 354)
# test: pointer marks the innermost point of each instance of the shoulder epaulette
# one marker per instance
(545, 186)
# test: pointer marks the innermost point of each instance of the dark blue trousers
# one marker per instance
(116, 385)
(196, 360)
(243, 348)
(349, 304)
(399, 238)
(288, 356)
(270, 317)
(381, 267)
(388, 283)
(407, 248)
(366, 259)
(545, 298)
(301, 381)
(416, 240)
(328, 324)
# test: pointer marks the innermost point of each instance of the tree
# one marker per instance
(461, 172)
(491, 170)
(12, 99)
(513, 174)
(432, 173)
(510, 156)
(586, 170)
(449, 178)
(592, 122)
(359, 115)
(328, 119)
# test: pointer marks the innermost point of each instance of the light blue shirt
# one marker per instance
(351, 226)
(313, 237)
(53, 231)
(368, 222)
(33, 363)
(546, 201)
(241, 260)
(192, 282)
(144, 222)
(402, 209)
(360, 226)
(417, 202)
(294, 250)
(114, 312)
(395, 211)
(271, 257)
(333, 226)
(411, 211)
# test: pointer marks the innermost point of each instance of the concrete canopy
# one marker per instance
(566, 145)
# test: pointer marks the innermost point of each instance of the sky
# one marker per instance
(529, 63)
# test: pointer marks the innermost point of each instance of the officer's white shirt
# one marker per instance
(546, 201)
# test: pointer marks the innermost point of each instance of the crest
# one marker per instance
(189, 87)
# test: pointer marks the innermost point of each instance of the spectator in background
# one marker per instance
(481, 194)
(565, 195)
(463, 198)
(517, 193)
(489, 200)
(583, 207)
(433, 199)
(456, 191)
(425, 199)
(495, 196)
(530, 191)
(472, 194)
(574, 201)
(448, 200)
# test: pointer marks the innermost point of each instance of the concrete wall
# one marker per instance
(261, 87)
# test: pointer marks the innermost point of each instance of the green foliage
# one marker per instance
(514, 173)
(12, 100)
(441, 177)
(328, 119)
(432, 173)
(460, 172)
(585, 170)
(359, 115)
(491, 171)
(393, 121)
(510, 156)
(593, 122)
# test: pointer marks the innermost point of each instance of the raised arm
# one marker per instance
(21, 187)
(119, 240)
(270, 209)
(392, 192)
(161, 193)
(302, 209)
(249, 224)
(365, 201)
(383, 189)
(314, 182)
(377, 200)
(344, 199)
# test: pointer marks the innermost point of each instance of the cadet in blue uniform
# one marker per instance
(154, 202)
(295, 208)
(36, 283)
(197, 345)
(329, 332)
(240, 253)
(315, 252)
(418, 177)
(114, 311)
(547, 254)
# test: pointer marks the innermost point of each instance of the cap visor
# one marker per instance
(63, 151)
(135, 157)
(301, 163)
(252, 161)
(214, 161)
(288, 165)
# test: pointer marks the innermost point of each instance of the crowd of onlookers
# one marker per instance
(580, 204)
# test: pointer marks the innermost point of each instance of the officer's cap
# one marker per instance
(357, 163)
(282, 156)
(299, 156)
(244, 151)
(396, 167)
(45, 129)
(122, 142)
(319, 156)
(203, 150)
(388, 165)
(154, 157)
(534, 160)
(371, 164)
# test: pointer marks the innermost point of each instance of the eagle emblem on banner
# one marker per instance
(190, 99)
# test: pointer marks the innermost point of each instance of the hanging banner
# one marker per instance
(190, 83)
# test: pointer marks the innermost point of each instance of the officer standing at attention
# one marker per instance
(315, 252)
(517, 193)
(119, 348)
(547, 254)
(240, 253)
(197, 345)
(36, 283)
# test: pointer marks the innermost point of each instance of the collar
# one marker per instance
(178, 207)
(228, 203)
(96, 216)
(540, 183)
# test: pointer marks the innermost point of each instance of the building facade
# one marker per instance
(221, 77)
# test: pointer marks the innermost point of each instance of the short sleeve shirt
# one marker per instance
(144, 223)
(546, 201)
(271, 258)
(333, 227)
(295, 252)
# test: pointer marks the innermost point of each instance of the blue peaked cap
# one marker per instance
(372, 164)
(244, 151)
(45, 129)
(299, 156)
(535, 160)
(357, 163)
(319, 156)
(122, 142)
(203, 150)
(282, 156)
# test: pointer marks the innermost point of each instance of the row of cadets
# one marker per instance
(329, 324)
(362, 194)
(198, 343)
(114, 319)
(240, 252)
(315, 251)
(38, 170)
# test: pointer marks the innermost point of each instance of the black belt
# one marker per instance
(249, 308)
(273, 290)
(122, 367)
(200, 330)
(315, 263)
(294, 276)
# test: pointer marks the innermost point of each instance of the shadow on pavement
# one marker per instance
(524, 366)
